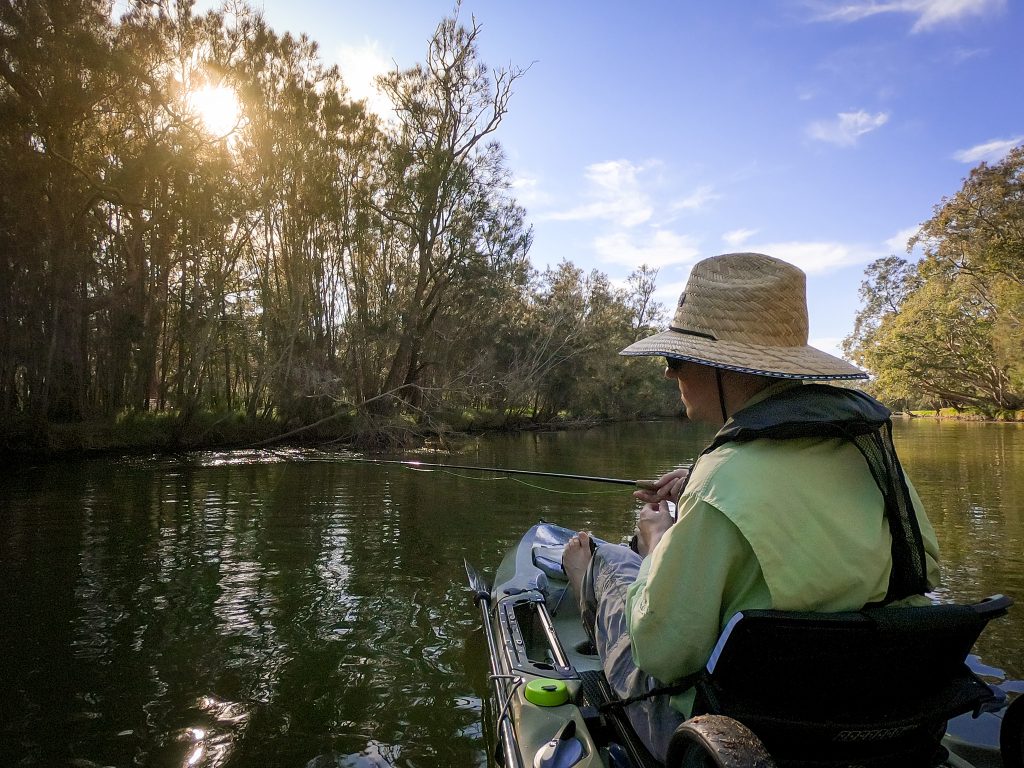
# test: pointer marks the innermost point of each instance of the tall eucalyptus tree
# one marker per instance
(438, 184)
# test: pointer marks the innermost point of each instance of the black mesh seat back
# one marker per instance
(849, 684)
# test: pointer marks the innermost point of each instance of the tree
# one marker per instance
(979, 232)
(888, 283)
(647, 313)
(57, 72)
(437, 176)
(939, 346)
(949, 328)
(978, 235)
(294, 155)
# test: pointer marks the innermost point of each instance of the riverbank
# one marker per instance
(966, 415)
(170, 433)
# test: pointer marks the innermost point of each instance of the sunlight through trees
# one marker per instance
(197, 218)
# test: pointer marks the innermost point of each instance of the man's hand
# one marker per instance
(666, 488)
(654, 520)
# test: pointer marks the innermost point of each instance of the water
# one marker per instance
(294, 608)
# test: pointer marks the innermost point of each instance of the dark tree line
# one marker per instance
(316, 258)
(948, 331)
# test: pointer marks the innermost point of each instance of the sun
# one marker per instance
(218, 108)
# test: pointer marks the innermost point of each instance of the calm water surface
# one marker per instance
(296, 608)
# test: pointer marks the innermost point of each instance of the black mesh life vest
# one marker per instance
(824, 411)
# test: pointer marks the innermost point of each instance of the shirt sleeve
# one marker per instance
(698, 576)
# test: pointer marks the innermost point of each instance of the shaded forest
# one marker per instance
(308, 263)
(948, 331)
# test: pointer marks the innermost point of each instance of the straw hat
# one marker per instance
(745, 312)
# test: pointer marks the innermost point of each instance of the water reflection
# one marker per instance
(971, 478)
(294, 608)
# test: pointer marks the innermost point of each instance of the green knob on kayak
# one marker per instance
(545, 692)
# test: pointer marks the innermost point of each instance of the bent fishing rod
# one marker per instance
(646, 485)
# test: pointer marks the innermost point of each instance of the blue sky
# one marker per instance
(661, 132)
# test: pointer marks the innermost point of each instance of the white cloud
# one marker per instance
(661, 248)
(927, 13)
(898, 242)
(657, 249)
(818, 257)
(737, 237)
(847, 128)
(991, 151)
(527, 191)
(524, 184)
(696, 199)
(360, 66)
(617, 195)
(828, 344)
(628, 194)
(932, 13)
(961, 55)
(668, 294)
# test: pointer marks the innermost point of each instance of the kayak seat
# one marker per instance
(867, 688)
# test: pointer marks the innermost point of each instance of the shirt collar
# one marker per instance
(771, 390)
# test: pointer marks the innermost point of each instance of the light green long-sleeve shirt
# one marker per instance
(786, 524)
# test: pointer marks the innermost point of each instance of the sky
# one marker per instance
(660, 132)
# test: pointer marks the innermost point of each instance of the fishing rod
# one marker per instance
(647, 485)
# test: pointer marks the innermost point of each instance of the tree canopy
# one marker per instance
(947, 331)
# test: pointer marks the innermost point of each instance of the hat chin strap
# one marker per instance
(721, 394)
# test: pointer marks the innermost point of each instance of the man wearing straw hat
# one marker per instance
(799, 503)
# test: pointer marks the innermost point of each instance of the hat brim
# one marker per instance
(804, 362)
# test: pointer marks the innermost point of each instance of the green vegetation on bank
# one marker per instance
(968, 414)
(312, 266)
(168, 432)
(947, 332)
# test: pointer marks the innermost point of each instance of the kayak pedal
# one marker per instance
(613, 723)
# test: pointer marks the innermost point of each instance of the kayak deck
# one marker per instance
(538, 636)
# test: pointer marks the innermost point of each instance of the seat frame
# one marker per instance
(873, 687)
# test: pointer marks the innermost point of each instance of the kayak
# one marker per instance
(552, 708)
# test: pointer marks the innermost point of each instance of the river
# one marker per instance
(298, 608)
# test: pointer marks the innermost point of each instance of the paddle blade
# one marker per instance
(481, 589)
